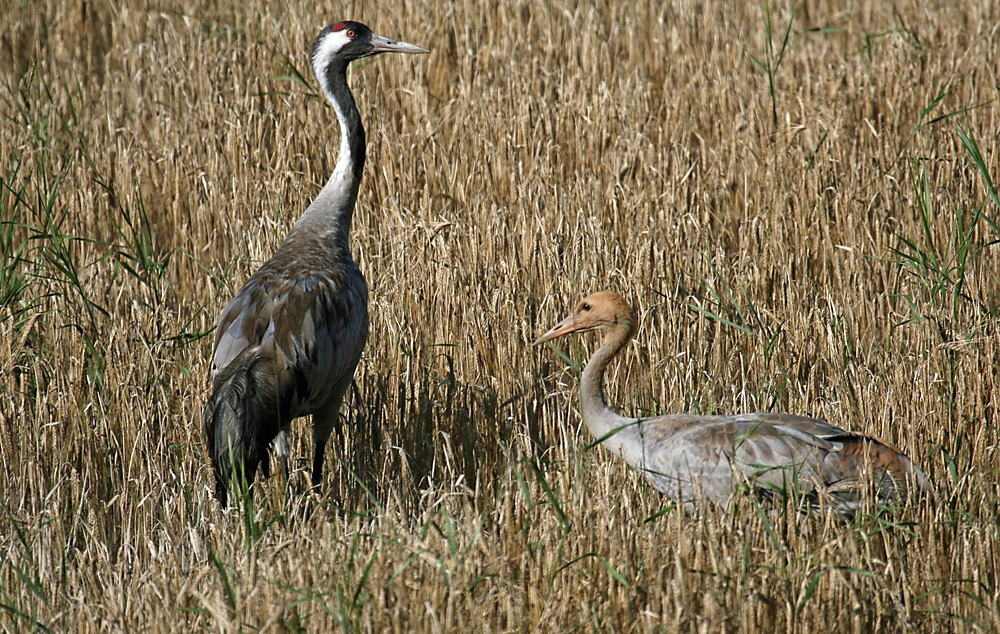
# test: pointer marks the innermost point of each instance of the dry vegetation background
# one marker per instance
(812, 232)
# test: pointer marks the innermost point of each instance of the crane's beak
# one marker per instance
(383, 44)
(564, 327)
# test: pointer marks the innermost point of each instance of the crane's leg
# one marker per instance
(317, 471)
(325, 421)
(265, 464)
(281, 444)
(323, 425)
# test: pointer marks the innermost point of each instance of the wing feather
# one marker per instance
(314, 327)
(690, 457)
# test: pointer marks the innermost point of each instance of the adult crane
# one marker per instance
(690, 458)
(288, 343)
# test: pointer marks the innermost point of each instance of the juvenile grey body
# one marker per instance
(692, 458)
(288, 343)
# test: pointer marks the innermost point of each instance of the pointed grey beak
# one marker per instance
(383, 44)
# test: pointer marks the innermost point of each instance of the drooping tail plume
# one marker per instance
(240, 420)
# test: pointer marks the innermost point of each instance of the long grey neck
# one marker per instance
(331, 212)
(601, 419)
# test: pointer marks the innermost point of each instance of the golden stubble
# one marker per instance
(828, 261)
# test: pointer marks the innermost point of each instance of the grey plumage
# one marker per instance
(705, 457)
(288, 343)
(239, 426)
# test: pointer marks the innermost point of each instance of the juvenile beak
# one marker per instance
(564, 327)
(383, 44)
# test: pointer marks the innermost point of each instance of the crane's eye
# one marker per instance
(351, 33)
(585, 306)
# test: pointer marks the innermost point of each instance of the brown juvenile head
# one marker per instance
(605, 311)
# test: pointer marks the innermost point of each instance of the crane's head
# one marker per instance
(347, 41)
(601, 311)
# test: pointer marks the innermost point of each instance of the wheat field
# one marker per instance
(799, 198)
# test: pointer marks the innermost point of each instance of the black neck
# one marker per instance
(339, 94)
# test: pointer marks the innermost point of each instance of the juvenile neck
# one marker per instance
(332, 211)
(601, 419)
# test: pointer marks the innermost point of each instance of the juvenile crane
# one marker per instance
(288, 343)
(704, 457)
